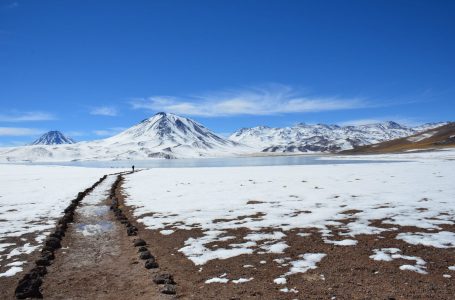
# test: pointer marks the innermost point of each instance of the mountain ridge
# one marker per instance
(166, 135)
(323, 137)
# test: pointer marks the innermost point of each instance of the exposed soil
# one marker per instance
(347, 272)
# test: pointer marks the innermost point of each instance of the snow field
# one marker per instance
(270, 201)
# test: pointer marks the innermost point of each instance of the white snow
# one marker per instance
(422, 136)
(346, 242)
(217, 280)
(25, 249)
(15, 263)
(452, 268)
(413, 268)
(442, 239)
(286, 290)
(389, 254)
(384, 254)
(304, 234)
(417, 193)
(242, 280)
(308, 262)
(11, 272)
(280, 280)
(265, 236)
(447, 276)
(303, 137)
(166, 232)
(274, 248)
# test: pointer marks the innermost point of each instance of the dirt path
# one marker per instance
(98, 259)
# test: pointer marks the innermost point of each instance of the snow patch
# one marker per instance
(11, 272)
(442, 239)
(389, 254)
(242, 280)
(167, 232)
(280, 280)
(347, 242)
(217, 280)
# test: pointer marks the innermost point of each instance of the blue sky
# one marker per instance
(92, 68)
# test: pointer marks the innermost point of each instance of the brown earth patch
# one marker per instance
(347, 272)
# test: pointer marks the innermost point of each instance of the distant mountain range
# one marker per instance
(53, 138)
(164, 135)
(169, 136)
(321, 137)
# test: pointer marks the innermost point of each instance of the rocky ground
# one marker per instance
(345, 273)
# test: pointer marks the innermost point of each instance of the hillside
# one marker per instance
(436, 138)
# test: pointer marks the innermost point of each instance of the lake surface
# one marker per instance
(216, 162)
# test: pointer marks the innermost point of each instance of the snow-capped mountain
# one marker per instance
(170, 136)
(321, 137)
(164, 135)
(53, 138)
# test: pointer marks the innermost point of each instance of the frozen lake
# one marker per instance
(217, 162)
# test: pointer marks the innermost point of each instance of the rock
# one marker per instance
(53, 243)
(45, 259)
(131, 231)
(151, 263)
(59, 232)
(48, 255)
(47, 248)
(145, 255)
(169, 289)
(43, 262)
(29, 286)
(139, 242)
(56, 235)
(142, 249)
(70, 208)
(164, 278)
(40, 270)
(67, 218)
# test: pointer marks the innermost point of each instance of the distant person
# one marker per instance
(133, 168)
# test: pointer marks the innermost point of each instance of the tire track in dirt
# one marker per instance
(98, 258)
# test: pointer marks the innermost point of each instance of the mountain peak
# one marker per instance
(172, 133)
(53, 137)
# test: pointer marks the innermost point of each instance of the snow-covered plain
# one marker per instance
(31, 200)
(270, 201)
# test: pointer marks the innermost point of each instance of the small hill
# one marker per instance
(440, 137)
(53, 138)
